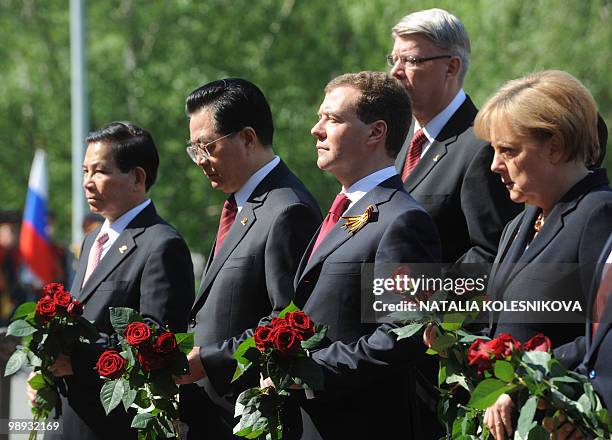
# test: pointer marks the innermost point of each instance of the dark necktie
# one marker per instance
(341, 202)
(414, 153)
(95, 255)
(603, 294)
(228, 215)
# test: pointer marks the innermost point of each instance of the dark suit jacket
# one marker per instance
(557, 265)
(154, 275)
(250, 278)
(454, 183)
(368, 391)
(591, 354)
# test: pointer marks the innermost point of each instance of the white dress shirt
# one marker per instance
(114, 230)
(243, 194)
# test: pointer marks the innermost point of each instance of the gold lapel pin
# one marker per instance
(244, 221)
(436, 157)
(122, 249)
(355, 223)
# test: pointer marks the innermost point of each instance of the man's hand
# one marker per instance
(62, 366)
(561, 429)
(196, 369)
(31, 392)
(498, 417)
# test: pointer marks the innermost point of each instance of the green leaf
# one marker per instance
(443, 342)
(243, 362)
(504, 370)
(290, 308)
(38, 382)
(525, 421)
(407, 330)
(162, 384)
(453, 321)
(315, 340)
(537, 359)
(538, 433)
(458, 378)
(486, 393)
(441, 374)
(15, 362)
(184, 341)
(111, 394)
(129, 395)
(20, 328)
(25, 309)
(121, 317)
(142, 420)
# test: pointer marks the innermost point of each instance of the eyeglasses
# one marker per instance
(412, 61)
(198, 150)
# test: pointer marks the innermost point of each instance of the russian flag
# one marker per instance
(34, 243)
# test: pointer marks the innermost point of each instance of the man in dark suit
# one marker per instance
(265, 226)
(369, 391)
(134, 259)
(443, 165)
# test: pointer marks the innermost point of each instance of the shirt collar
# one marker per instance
(435, 126)
(114, 230)
(360, 188)
(243, 194)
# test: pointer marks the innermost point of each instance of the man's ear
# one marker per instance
(378, 132)
(454, 66)
(249, 136)
(140, 177)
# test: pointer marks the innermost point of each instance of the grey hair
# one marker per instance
(444, 30)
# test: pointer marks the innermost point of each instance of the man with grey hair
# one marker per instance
(443, 165)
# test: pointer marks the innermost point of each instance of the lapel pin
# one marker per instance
(244, 221)
(436, 157)
(122, 249)
(355, 223)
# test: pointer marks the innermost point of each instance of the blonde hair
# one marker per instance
(542, 105)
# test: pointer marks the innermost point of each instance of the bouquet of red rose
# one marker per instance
(47, 327)
(140, 373)
(279, 351)
(534, 378)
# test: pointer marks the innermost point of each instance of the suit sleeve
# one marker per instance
(572, 353)
(288, 237)
(167, 285)
(487, 207)
(412, 238)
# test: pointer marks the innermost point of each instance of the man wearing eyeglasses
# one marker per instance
(265, 226)
(443, 165)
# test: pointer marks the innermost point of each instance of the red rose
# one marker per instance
(504, 345)
(75, 308)
(276, 322)
(165, 343)
(302, 323)
(285, 338)
(46, 309)
(262, 337)
(480, 355)
(111, 364)
(149, 359)
(62, 298)
(137, 333)
(51, 289)
(539, 342)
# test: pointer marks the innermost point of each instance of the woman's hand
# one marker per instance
(498, 417)
(562, 429)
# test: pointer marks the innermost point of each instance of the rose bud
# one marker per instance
(302, 323)
(480, 355)
(149, 359)
(539, 342)
(62, 298)
(262, 337)
(75, 308)
(137, 333)
(504, 345)
(111, 364)
(165, 343)
(285, 338)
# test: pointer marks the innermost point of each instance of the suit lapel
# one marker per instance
(84, 258)
(435, 153)
(338, 235)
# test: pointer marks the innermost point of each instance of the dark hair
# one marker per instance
(131, 147)
(382, 98)
(236, 103)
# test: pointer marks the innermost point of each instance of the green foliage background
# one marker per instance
(144, 57)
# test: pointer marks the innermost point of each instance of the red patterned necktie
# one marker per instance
(228, 215)
(414, 153)
(603, 294)
(341, 202)
(95, 254)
